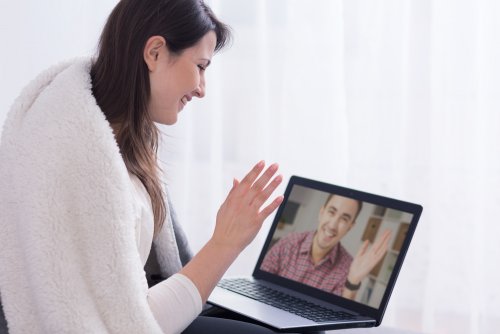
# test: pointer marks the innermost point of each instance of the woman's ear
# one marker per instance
(154, 46)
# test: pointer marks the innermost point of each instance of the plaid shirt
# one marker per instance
(291, 257)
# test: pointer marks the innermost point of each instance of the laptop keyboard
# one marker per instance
(283, 301)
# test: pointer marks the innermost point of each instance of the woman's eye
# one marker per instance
(202, 68)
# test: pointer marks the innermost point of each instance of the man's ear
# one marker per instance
(154, 46)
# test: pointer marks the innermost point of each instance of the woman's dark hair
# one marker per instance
(120, 77)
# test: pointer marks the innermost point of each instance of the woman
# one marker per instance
(81, 194)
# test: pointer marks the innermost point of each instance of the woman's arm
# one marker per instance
(238, 220)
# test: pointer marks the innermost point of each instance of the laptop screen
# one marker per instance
(327, 239)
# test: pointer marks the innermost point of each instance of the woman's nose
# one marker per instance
(199, 92)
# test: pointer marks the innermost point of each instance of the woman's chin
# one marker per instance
(166, 118)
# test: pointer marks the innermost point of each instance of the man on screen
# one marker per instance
(318, 259)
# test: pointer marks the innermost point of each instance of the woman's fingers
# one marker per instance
(250, 178)
(264, 179)
(254, 188)
(233, 189)
(262, 191)
(267, 192)
(270, 208)
(241, 215)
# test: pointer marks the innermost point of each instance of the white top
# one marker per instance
(176, 301)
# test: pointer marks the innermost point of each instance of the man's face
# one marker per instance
(335, 219)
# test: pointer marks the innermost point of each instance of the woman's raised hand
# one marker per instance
(238, 220)
(241, 215)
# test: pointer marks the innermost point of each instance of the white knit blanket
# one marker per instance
(69, 261)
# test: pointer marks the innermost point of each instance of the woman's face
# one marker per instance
(176, 78)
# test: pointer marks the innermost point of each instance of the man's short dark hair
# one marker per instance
(360, 204)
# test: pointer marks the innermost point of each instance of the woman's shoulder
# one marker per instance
(46, 78)
(58, 85)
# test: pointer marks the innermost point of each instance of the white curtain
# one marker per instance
(396, 97)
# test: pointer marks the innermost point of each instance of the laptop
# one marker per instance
(300, 282)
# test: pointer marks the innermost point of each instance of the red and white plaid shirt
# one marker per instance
(291, 257)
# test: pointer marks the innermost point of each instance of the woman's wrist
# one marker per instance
(224, 247)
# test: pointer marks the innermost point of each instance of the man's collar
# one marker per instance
(306, 248)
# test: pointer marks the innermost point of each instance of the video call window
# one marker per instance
(306, 221)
